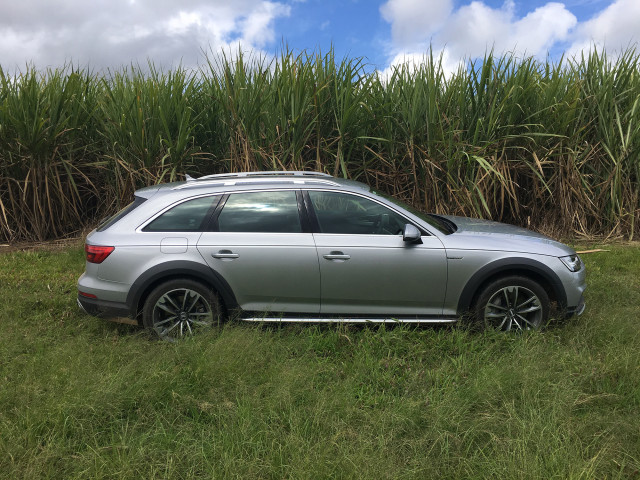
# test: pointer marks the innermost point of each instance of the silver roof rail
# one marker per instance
(284, 173)
(222, 182)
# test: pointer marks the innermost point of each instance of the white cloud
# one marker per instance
(472, 29)
(475, 28)
(414, 21)
(257, 27)
(111, 33)
(182, 22)
(412, 60)
(616, 28)
(538, 31)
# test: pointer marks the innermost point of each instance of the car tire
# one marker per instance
(512, 303)
(179, 308)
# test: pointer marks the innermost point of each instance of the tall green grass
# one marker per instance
(552, 146)
(84, 398)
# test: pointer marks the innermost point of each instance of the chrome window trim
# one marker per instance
(298, 188)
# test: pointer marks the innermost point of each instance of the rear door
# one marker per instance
(263, 247)
(366, 267)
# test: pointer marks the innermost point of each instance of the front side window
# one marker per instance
(189, 216)
(264, 212)
(353, 215)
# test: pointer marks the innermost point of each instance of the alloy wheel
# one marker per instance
(513, 308)
(180, 312)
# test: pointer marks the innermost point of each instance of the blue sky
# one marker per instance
(357, 28)
(112, 33)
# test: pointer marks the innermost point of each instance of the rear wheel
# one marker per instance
(180, 308)
(513, 303)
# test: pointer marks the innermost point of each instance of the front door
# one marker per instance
(366, 267)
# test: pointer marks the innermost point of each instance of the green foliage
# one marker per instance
(46, 159)
(552, 146)
(83, 398)
(147, 127)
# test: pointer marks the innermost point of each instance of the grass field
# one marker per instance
(84, 398)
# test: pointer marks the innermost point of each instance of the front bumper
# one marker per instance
(577, 310)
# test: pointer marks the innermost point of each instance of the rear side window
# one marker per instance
(189, 216)
(122, 213)
(264, 212)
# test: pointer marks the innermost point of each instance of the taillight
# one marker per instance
(97, 254)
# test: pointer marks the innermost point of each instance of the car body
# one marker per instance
(305, 246)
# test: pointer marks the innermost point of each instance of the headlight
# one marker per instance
(572, 262)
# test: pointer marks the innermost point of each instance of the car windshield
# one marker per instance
(441, 224)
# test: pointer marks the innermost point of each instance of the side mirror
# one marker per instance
(411, 234)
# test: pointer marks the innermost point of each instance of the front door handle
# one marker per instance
(336, 256)
(225, 254)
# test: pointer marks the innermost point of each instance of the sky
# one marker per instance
(108, 34)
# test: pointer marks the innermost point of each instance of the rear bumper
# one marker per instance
(103, 308)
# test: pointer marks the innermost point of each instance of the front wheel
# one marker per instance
(179, 308)
(513, 303)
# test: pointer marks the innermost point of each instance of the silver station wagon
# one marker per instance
(308, 247)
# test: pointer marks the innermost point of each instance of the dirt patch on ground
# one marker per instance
(48, 245)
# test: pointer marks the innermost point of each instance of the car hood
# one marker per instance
(478, 234)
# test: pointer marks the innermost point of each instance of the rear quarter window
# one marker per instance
(189, 216)
(121, 214)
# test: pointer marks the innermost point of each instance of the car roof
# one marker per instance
(250, 180)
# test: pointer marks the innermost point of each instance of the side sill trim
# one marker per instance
(349, 320)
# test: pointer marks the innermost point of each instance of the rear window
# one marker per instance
(122, 213)
(188, 216)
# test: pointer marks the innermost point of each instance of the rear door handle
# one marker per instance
(225, 254)
(336, 256)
